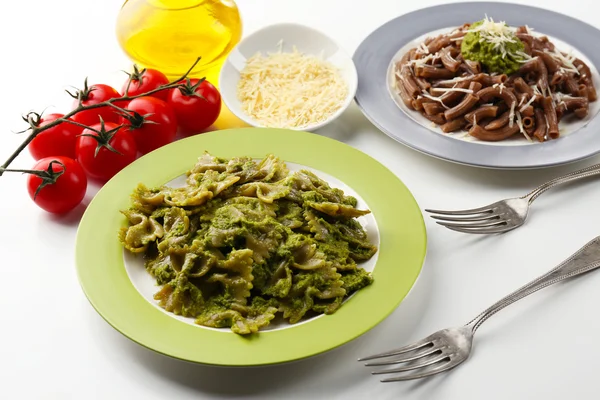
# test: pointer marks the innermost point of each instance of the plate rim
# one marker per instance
(543, 155)
(99, 260)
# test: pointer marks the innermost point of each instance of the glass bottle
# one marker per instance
(168, 35)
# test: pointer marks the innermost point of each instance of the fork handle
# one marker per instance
(575, 175)
(585, 259)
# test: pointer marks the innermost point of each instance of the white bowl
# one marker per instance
(268, 40)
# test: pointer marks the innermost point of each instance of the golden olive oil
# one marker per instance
(168, 35)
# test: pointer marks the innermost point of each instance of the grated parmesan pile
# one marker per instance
(499, 34)
(290, 90)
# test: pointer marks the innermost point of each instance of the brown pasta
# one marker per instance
(540, 125)
(460, 94)
(571, 86)
(406, 98)
(575, 103)
(437, 119)
(551, 64)
(433, 108)
(406, 76)
(449, 62)
(581, 112)
(454, 125)
(495, 135)
(480, 113)
(550, 114)
(491, 92)
(499, 122)
(528, 122)
(429, 71)
(467, 103)
(526, 111)
(523, 87)
(422, 83)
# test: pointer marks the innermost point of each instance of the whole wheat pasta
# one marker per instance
(456, 93)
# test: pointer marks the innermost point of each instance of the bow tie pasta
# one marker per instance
(244, 241)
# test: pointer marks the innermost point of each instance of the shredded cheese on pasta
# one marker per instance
(566, 60)
(428, 96)
(511, 115)
(452, 90)
(499, 34)
(521, 128)
(456, 80)
(290, 90)
(530, 102)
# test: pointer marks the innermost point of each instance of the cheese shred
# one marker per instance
(290, 90)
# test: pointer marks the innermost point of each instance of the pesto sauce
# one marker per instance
(476, 48)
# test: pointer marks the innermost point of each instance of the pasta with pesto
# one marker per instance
(244, 241)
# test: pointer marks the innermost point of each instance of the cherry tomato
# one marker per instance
(94, 152)
(152, 123)
(197, 105)
(93, 95)
(143, 81)
(65, 193)
(56, 141)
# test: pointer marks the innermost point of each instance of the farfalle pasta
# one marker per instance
(243, 242)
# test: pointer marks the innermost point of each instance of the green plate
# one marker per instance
(104, 279)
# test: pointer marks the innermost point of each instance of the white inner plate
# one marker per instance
(566, 126)
(147, 286)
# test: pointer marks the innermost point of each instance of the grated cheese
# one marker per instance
(428, 96)
(511, 115)
(521, 128)
(456, 80)
(530, 102)
(567, 60)
(452, 90)
(422, 49)
(496, 33)
(423, 61)
(499, 85)
(290, 90)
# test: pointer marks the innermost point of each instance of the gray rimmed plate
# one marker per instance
(376, 53)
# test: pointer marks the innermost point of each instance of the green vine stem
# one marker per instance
(33, 119)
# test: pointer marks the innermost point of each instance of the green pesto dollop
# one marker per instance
(476, 48)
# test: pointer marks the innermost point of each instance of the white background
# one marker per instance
(54, 346)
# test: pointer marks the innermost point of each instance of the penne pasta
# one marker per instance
(467, 103)
(449, 62)
(540, 125)
(457, 93)
(437, 119)
(493, 136)
(499, 122)
(433, 108)
(550, 114)
(429, 71)
(481, 113)
(454, 125)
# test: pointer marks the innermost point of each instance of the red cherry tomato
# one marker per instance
(106, 163)
(93, 95)
(64, 194)
(56, 141)
(152, 123)
(143, 81)
(196, 105)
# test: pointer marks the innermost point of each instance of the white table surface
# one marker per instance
(53, 345)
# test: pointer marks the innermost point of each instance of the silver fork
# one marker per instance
(504, 215)
(447, 348)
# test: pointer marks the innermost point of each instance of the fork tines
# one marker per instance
(423, 358)
(484, 220)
